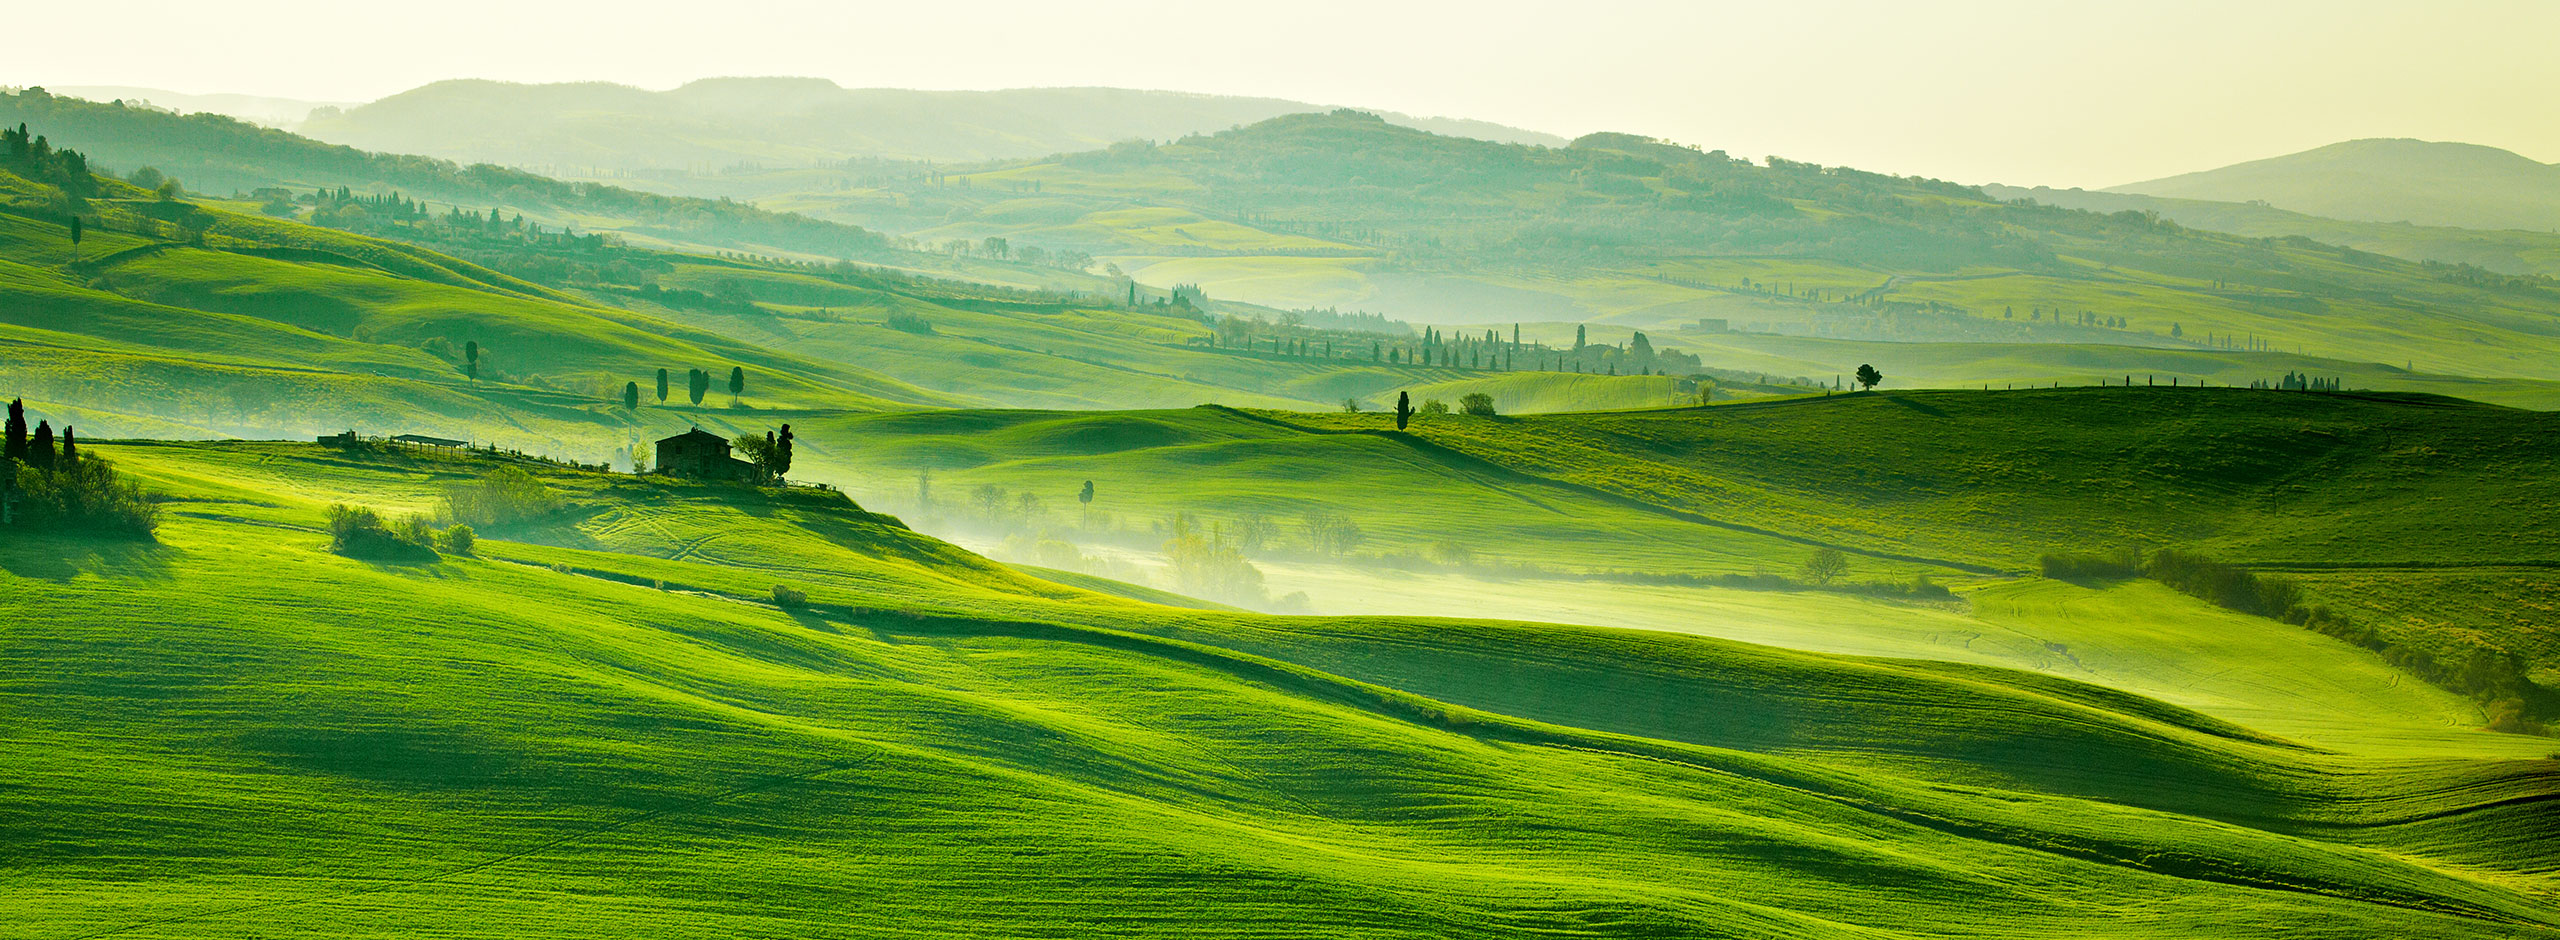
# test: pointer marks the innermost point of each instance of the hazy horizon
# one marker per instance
(2099, 97)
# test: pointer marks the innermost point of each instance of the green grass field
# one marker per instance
(1577, 675)
(593, 727)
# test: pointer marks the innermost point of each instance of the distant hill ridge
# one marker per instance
(2387, 180)
(794, 121)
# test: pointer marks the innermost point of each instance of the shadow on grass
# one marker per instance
(52, 557)
(1916, 405)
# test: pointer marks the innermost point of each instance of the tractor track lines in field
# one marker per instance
(627, 822)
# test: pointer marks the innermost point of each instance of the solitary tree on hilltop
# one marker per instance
(1868, 376)
(1404, 410)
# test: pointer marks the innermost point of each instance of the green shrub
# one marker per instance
(457, 539)
(789, 598)
(86, 497)
(2091, 567)
(359, 532)
(505, 496)
(1476, 403)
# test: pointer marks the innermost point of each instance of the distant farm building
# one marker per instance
(702, 455)
(351, 438)
(1709, 325)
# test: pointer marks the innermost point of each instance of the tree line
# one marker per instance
(48, 484)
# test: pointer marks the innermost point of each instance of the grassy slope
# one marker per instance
(2003, 477)
(948, 747)
(274, 328)
(1946, 484)
(1997, 366)
(1529, 234)
(2506, 251)
(281, 329)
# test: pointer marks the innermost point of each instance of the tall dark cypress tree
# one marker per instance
(70, 449)
(40, 450)
(662, 385)
(782, 453)
(1404, 409)
(16, 448)
(737, 380)
(631, 394)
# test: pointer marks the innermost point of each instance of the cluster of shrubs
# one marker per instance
(505, 496)
(360, 532)
(62, 489)
(2496, 678)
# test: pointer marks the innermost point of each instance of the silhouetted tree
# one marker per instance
(1868, 376)
(75, 230)
(662, 385)
(1085, 496)
(782, 453)
(70, 450)
(697, 384)
(1404, 410)
(471, 359)
(16, 442)
(631, 394)
(737, 380)
(40, 449)
(1826, 566)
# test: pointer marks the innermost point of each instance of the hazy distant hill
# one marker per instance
(719, 122)
(2387, 180)
(2506, 251)
(255, 109)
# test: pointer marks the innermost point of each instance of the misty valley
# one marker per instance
(771, 507)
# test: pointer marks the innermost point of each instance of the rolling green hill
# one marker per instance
(677, 140)
(597, 726)
(2386, 180)
(1349, 211)
(2504, 251)
(1664, 519)
(1344, 209)
(269, 327)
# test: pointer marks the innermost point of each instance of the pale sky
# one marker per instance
(2056, 92)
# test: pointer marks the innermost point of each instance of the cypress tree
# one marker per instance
(16, 448)
(631, 394)
(471, 359)
(70, 449)
(782, 453)
(662, 385)
(40, 450)
(1404, 409)
(737, 380)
